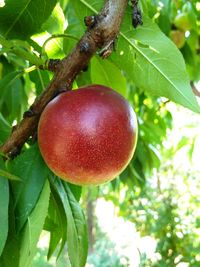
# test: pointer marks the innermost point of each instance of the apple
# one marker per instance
(88, 136)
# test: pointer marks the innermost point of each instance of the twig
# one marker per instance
(137, 15)
(194, 89)
(99, 36)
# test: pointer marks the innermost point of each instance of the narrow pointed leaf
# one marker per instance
(31, 169)
(4, 201)
(76, 227)
(5, 129)
(9, 175)
(33, 228)
(40, 79)
(56, 223)
(154, 64)
(76, 231)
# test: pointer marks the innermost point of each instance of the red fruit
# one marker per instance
(88, 136)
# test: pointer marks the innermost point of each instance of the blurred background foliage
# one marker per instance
(159, 190)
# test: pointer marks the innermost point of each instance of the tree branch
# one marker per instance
(101, 34)
(194, 89)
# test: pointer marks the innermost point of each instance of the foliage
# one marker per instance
(105, 254)
(146, 67)
(169, 216)
(165, 209)
(40, 259)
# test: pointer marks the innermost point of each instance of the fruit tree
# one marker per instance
(83, 93)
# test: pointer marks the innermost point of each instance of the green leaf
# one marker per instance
(183, 142)
(40, 79)
(16, 100)
(134, 173)
(9, 176)
(142, 154)
(76, 190)
(86, 8)
(106, 73)
(8, 79)
(64, 4)
(33, 228)
(154, 63)
(76, 231)
(21, 19)
(192, 147)
(76, 227)
(53, 243)
(32, 170)
(155, 156)
(4, 201)
(10, 255)
(13, 98)
(55, 23)
(74, 28)
(56, 223)
(164, 19)
(5, 129)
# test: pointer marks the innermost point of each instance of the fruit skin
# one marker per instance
(88, 136)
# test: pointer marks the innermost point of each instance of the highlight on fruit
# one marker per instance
(88, 136)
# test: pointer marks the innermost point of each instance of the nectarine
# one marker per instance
(88, 136)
